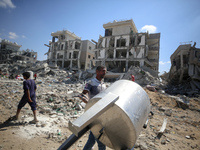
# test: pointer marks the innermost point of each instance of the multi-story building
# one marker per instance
(185, 64)
(122, 47)
(66, 50)
(10, 53)
(8, 48)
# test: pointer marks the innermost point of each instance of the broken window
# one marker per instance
(54, 39)
(134, 63)
(118, 43)
(77, 45)
(185, 60)
(59, 63)
(66, 45)
(62, 46)
(62, 37)
(121, 42)
(3, 46)
(139, 40)
(121, 54)
(75, 55)
(112, 42)
(55, 45)
(54, 55)
(108, 32)
(70, 44)
(132, 41)
(66, 64)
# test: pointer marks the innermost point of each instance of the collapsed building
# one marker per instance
(11, 53)
(123, 47)
(67, 50)
(185, 65)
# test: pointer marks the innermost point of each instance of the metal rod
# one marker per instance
(72, 139)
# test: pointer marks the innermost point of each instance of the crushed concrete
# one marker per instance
(58, 102)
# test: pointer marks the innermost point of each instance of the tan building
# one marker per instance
(185, 64)
(68, 51)
(122, 47)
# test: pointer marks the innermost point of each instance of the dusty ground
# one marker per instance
(182, 130)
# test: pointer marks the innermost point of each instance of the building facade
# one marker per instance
(66, 50)
(122, 47)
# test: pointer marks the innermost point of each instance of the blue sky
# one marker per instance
(30, 22)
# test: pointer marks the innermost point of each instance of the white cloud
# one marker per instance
(7, 3)
(150, 28)
(0, 39)
(23, 36)
(12, 35)
(163, 63)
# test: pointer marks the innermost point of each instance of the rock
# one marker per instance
(187, 136)
(143, 146)
(163, 141)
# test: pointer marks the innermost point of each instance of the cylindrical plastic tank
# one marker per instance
(119, 126)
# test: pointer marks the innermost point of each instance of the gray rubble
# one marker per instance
(58, 102)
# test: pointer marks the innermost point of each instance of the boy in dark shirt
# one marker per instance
(29, 96)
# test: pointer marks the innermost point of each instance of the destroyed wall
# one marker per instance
(194, 63)
(185, 68)
(153, 50)
(122, 47)
(87, 55)
(179, 61)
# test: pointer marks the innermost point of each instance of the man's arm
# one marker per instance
(84, 96)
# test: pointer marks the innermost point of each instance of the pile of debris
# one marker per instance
(58, 102)
(142, 77)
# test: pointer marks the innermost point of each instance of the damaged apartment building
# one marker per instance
(11, 53)
(185, 64)
(67, 50)
(123, 47)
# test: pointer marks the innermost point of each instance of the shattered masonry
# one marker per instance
(10, 53)
(185, 64)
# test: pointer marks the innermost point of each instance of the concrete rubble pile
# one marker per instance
(142, 77)
(58, 102)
